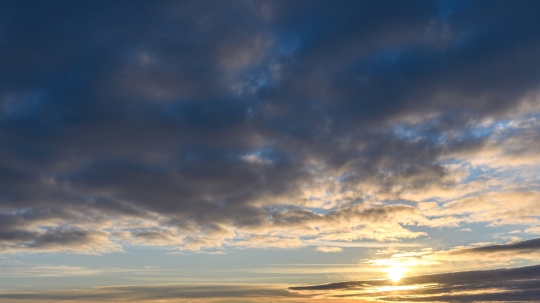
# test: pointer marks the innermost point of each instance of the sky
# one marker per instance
(269, 151)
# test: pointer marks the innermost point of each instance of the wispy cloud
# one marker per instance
(329, 249)
(163, 293)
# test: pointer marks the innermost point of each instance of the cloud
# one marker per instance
(474, 256)
(327, 249)
(165, 293)
(70, 240)
(512, 250)
(47, 271)
(201, 126)
(269, 242)
(497, 208)
(514, 284)
(533, 230)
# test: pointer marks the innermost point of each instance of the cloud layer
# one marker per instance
(203, 126)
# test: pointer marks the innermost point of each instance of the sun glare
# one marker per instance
(395, 273)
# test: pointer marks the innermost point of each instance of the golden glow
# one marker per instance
(396, 272)
(395, 275)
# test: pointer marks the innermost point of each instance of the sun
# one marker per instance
(395, 276)
(395, 273)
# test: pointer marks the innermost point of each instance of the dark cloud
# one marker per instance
(203, 118)
(520, 247)
(500, 285)
(58, 239)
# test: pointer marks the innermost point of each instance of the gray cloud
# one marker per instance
(58, 239)
(517, 248)
(198, 124)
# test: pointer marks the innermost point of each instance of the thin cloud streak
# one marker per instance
(166, 293)
(361, 244)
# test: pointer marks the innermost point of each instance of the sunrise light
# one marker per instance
(396, 272)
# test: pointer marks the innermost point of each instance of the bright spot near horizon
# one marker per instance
(395, 273)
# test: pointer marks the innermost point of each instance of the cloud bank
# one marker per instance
(199, 126)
